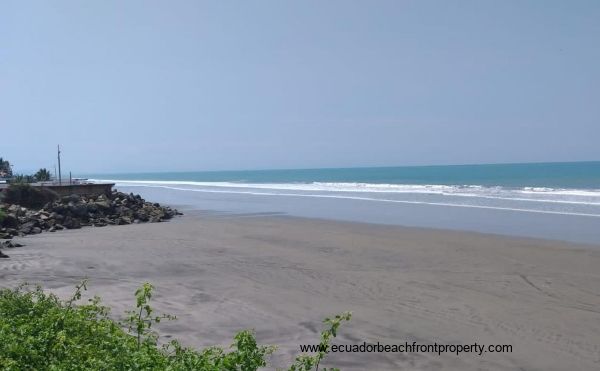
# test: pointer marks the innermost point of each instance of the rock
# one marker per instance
(72, 198)
(72, 223)
(10, 244)
(60, 209)
(141, 215)
(27, 227)
(57, 217)
(75, 211)
(10, 221)
(79, 210)
(11, 231)
(14, 209)
(102, 205)
(3, 256)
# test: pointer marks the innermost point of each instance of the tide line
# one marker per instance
(371, 199)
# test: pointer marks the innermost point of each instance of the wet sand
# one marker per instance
(282, 276)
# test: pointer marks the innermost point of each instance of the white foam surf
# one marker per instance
(361, 198)
(534, 194)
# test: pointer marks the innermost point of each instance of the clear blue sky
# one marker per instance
(208, 85)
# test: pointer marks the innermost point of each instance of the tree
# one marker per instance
(42, 175)
(5, 170)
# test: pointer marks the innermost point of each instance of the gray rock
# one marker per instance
(79, 210)
(10, 244)
(73, 212)
(72, 198)
(11, 231)
(72, 223)
(10, 221)
(27, 227)
(102, 205)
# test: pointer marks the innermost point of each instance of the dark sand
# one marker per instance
(281, 276)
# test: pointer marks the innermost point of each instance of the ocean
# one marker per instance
(544, 200)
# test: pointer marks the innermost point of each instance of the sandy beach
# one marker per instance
(283, 275)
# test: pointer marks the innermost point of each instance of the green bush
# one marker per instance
(28, 196)
(5, 168)
(42, 175)
(38, 331)
(21, 179)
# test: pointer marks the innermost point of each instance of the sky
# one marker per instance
(128, 86)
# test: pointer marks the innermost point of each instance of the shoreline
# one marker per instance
(195, 213)
(568, 228)
(282, 275)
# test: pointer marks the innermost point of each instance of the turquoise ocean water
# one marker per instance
(555, 200)
(578, 175)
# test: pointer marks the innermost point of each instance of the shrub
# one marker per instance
(5, 168)
(22, 179)
(38, 331)
(42, 175)
(28, 196)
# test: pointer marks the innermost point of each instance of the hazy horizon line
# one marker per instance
(336, 168)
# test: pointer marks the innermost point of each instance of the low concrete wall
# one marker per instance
(80, 189)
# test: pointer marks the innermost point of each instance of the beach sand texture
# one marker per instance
(282, 276)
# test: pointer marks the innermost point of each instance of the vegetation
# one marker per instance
(5, 169)
(38, 331)
(42, 175)
(25, 195)
(21, 179)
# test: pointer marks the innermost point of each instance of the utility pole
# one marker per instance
(59, 174)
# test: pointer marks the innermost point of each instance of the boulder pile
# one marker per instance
(73, 212)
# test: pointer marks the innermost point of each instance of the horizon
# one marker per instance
(25, 171)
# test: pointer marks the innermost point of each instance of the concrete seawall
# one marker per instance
(80, 189)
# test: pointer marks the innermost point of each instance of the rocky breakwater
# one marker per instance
(73, 212)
